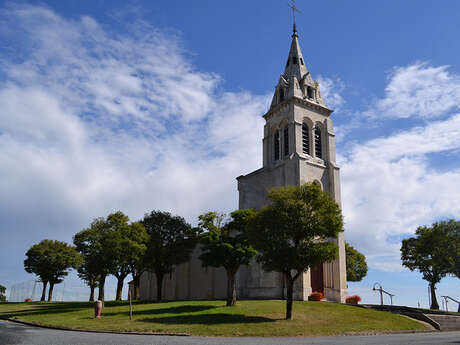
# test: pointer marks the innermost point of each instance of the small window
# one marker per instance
(318, 148)
(286, 140)
(294, 60)
(277, 145)
(281, 92)
(305, 139)
(309, 92)
(287, 62)
(301, 61)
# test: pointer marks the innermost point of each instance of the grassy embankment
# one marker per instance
(212, 318)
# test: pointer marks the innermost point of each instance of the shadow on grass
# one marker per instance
(208, 319)
(48, 308)
(171, 310)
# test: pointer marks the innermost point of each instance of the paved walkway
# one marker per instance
(13, 333)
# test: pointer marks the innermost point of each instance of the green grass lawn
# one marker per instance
(208, 318)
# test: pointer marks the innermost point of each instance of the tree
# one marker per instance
(426, 252)
(171, 242)
(226, 245)
(94, 245)
(137, 263)
(2, 293)
(294, 232)
(454, 248)
(110, 246)
(453, 229)
(356, 264)
(128, 246)
(90, 276)
(51, 261)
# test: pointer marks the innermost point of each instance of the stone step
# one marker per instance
(446, 322)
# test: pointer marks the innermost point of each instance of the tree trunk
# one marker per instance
(289, 293)
(101, 288)
(159, 286)
(119, 288)
(91, 295)
(42, 299)
(50, 292)
(231, 289)
(434, 301)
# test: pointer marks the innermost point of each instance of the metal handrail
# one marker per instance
(380, 289)
(446, 298)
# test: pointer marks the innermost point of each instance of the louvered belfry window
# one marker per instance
(277, 145)
(305, 139)
(318, 148)
(286, 140)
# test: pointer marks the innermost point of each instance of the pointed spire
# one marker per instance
(295, 66)
(294, 31)
(296, 80)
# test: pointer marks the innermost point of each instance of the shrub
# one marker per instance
(28, 300)
(315, 296)
(353, 299)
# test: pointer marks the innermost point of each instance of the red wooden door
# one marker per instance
(316, 274)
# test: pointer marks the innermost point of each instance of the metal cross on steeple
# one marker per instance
(294, 10)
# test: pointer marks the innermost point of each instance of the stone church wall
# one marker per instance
(189, 281)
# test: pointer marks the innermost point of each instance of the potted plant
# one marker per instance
(315, 296)
(353, 299)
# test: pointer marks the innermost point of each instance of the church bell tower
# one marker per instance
(298, 147)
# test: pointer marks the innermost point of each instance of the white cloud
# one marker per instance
(393, 184)
(331, 90)
(92, 122)
(390, 187)
(418, 90)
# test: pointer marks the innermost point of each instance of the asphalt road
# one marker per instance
(13, 333)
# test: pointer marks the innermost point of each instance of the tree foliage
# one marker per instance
(127, 247)
(226, 245)
(294, 233)
(171, 242)
(51, 261)
(356, 264)
(453, 229)
(136, 240)
(90, 276)
(110, 246)
(94, 245)
(427, 252)
(2, 293)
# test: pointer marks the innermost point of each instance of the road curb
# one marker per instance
(92, 330)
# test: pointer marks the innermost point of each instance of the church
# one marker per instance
(298, 147)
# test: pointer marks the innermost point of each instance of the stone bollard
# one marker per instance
(98, 309)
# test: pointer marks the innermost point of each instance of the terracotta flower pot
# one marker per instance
(98, 309)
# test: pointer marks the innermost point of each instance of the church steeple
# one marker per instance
(296, 80)
(295, 65)
(298, 147)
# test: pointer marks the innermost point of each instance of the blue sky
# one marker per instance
(156, 105)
